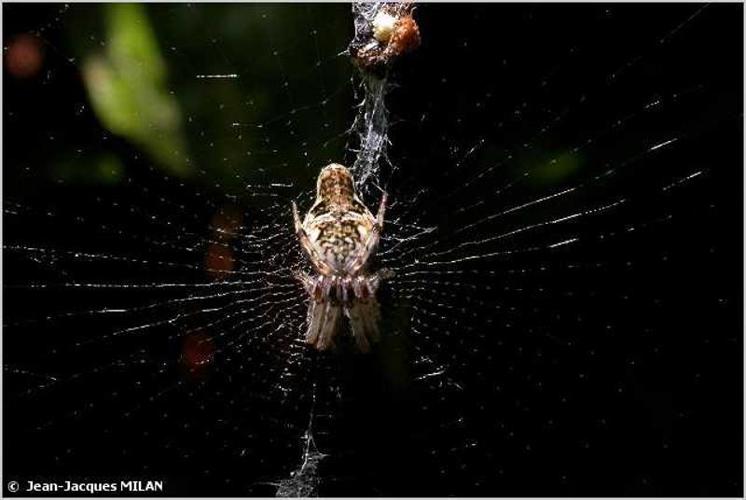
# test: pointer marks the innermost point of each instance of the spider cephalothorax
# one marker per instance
(339, 234)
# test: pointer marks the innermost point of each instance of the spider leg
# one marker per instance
(296, 219)
(314, 285)
(372, 314)
(357, 325)
(306, 280)
(316, 313)
(317, 260)
(364, 317)
(359, 261)
(381, 211)
(328, 326)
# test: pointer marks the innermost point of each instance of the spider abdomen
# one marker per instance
(340, 242)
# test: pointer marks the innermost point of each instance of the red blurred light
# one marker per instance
(219, 261)
(24, 56)
(197, 351)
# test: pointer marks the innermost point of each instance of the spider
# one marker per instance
(339, 234)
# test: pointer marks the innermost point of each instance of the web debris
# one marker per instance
(304, 481)
(383, 32)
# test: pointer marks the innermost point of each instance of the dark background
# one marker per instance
(608, 367)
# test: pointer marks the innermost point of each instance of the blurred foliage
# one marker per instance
(558, 169)
(100, 169)
(148, 71)
(126, 82)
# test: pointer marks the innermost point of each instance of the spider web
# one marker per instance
(560, 229)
